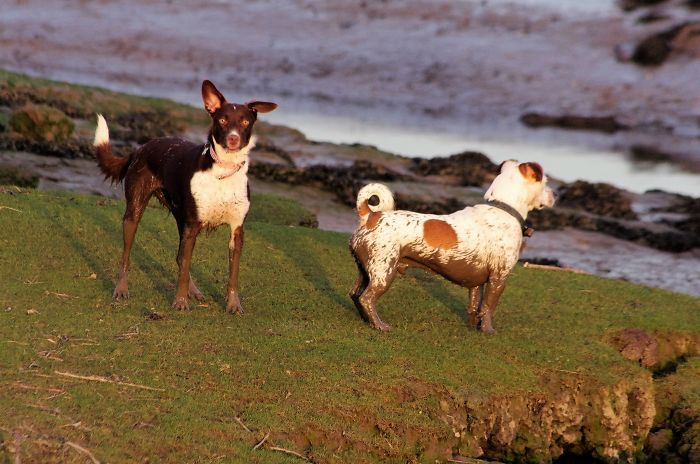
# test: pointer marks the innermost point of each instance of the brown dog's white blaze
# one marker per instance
(531, 171)
(439, 234)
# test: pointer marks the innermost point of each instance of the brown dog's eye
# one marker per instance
(222, 121)
(245, 123)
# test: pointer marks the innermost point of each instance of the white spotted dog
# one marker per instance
(203, 186)
(476, 247)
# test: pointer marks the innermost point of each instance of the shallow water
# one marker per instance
(560, 158)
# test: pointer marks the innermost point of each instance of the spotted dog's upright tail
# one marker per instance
(373, 198)
(113, 167)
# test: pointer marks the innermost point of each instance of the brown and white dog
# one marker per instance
(475, 247)
(204, 186)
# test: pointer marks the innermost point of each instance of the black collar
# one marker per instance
(527, 230)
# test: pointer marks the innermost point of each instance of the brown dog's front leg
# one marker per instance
(233, 301)
(494, 289)
(184, 260)
(475, 294)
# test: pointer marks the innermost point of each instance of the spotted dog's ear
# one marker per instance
(500, 166)
(261, 106)
(531, 171)
(213, 99)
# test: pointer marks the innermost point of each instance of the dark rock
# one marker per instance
(441, 206)
(607, 124)
(648, 154)
(470, 168)
(597, 198)
(655, 49)
(629, 5)
(11, 176)
(42, 123)
(140, 126)
(71, 148)
(664, 239)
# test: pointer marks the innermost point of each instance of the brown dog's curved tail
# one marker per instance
(113, 167)
(373, 198)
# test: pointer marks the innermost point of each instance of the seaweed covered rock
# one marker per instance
(655, 49)
(470, 168)
(597, 198)
(41, 122)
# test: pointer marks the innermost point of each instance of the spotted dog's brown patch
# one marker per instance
(531, 171)
(373, 219)
(439, 234)
(364, 209)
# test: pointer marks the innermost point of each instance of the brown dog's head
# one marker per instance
(232, 123)
(521, 185)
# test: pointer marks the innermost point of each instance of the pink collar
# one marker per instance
(234, 167)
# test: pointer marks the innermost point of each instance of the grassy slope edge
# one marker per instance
(300, 364)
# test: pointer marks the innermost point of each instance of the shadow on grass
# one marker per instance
(436, 287)
(96, 215)
(309, 265)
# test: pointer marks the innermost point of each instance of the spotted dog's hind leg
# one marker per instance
(381, 273)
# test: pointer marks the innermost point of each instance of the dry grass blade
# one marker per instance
(547, 267)
(11, 209)
(98, 378)
(238, 419)
(262, 442)
(84, 451)
(293, 453)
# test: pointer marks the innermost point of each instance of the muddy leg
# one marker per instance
(475, 296)
(184, 260)
(494, 289)
(235, 248)
(360, 283)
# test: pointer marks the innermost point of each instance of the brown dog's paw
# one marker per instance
(488, 330)
(233, 305)
(120, 293)
(181, 304)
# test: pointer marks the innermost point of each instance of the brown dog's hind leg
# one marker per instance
(475, 296)
(184, 260)
(233, 300)
(494, 289)
(137, 197)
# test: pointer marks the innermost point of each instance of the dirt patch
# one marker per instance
(659, 351)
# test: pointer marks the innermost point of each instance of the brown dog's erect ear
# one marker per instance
(531, 171)
(213, 99)
(261, 107)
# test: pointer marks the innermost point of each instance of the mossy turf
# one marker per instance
(300, 364)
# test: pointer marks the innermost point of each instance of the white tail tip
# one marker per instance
(102, 132)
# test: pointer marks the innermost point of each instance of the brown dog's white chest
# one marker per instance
(220, 200)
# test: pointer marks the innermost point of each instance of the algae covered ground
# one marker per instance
(84, 377)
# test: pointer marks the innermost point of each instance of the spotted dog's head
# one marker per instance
(521, 185)
(232, 123)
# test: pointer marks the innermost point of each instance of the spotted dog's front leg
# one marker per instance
(475, 296)
(235, 248)
(492, 292)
